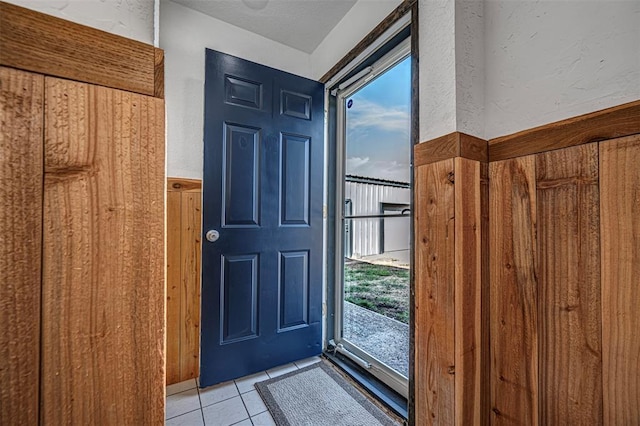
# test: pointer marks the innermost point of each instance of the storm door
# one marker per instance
(373, 230)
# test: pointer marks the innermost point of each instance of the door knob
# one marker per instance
(212, 235)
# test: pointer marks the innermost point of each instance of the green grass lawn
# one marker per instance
(379, 288)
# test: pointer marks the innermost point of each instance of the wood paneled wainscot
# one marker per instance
(620, 249)
(449, 235)
(103, 307)
(184, 235)
(21, 178)
(81, 225)
(565, 280)
(560, 312)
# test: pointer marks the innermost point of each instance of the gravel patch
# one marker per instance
(384, 338)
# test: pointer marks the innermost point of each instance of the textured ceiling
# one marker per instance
(301, 24)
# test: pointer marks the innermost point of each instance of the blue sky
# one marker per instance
(378, 126)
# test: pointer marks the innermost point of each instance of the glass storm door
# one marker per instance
(374, 223)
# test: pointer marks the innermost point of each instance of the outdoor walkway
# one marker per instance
(384, 338)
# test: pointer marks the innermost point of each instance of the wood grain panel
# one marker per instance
(455, 144)
(621, 120)
(183, 184)
(485, 353)
(473, 148)
(184, 235)
(514, 323)
(620, 231)
(42, 43)
(103, 280)
(437, 149)
(569, 286)
(174, 285)
(434, 294)
(21, 177)
(468, 286)
(158, 77)
(190, 285)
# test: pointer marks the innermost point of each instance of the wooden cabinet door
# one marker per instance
(21, 100)
(103, 256)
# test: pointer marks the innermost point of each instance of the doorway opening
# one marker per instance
(373, 218)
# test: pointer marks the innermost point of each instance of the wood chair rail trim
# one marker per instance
(615, 122)
(618, 121)
(455, 144)
(44, 44)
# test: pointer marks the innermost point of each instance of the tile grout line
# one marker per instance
(181, 414)
(178, 393)
(237, 423)
(218, 402)
(253, 388)
(200, 401)
(243, 403)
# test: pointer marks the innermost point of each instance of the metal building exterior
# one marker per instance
(371, 236)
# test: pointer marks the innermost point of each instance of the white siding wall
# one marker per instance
(365, 199)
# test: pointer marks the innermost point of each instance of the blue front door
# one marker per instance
(262, 192)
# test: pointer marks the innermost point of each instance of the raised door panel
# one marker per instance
(239, 298)
(241, 176)
(103, 257)
(295, 169)
(21, 141)
(293, 291)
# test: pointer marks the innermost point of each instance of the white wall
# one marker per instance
(451, 70)
(128, 18)
(437, 72)
(550, 60)
(496, 67)
(470, 66)
(184, 35)
(356, 24)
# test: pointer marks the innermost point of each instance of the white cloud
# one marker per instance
(389, 170)
(373, 116)
(356, 163)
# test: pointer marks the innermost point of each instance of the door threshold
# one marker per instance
(376, 388)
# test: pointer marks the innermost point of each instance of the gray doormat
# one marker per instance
(317, 395)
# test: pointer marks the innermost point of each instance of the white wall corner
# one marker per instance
(156, 23)
(469, 49)
(363, 17)
(437, 69)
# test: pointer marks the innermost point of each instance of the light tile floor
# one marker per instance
(232, 403)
